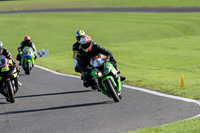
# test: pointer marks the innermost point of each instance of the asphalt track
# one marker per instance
(49, 103)
(108, 9)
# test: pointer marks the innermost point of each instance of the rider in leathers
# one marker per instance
(26, 42)
(89, 49)
(76, 47)
(8, 55)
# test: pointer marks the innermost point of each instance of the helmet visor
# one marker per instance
(27, 41)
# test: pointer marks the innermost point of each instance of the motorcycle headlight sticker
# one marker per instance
(106, 69)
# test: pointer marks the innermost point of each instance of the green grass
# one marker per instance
(159, 65)
(31, 4)
(189, 126)
(152, 49)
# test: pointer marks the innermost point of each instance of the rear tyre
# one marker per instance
(10, 91)
(112, 90)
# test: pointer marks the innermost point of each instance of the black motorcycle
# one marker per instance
(9, 84)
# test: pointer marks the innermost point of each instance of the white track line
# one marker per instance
(134, 88)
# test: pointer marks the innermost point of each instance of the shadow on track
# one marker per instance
(57, 108)
(4, 102)
(51, 94)
(22, 74)
(1, 103)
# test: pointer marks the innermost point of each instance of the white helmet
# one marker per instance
(1, 47)
(86, 43)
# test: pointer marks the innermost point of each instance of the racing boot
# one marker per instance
(20, 84)
(7, 99)
(122, 78)
(94, 87)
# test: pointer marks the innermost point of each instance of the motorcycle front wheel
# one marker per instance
(10, 91)
(111, 89)
(28, 68)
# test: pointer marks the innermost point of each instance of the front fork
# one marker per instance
(16, 84)
(3, 89)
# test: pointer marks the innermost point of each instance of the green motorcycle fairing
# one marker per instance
(107, 69)
(31, 60)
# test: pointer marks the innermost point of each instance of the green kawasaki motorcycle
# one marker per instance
(106, 77)
(27, 59)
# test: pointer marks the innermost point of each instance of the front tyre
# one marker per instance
(112, 90)
(28, 68)
(10, 91)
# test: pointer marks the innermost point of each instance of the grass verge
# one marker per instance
(189, 126)
(33, 4)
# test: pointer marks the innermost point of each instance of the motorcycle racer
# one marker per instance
(76, 47)
(8, 55)
(26, 42)
(88, 49)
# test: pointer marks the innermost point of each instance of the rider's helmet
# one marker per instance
(1, 47)
(79, 34)
(27, 39)
(86, 43)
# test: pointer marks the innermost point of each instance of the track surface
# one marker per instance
(49, 103)
(109, 9)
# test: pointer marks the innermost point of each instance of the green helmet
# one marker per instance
(79, 34)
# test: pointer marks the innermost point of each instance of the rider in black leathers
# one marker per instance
(89, 49)
(76, 47)
(8, 55)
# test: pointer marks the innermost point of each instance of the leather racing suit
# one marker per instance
(21, 47)
(83, 59)
(75, 49)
